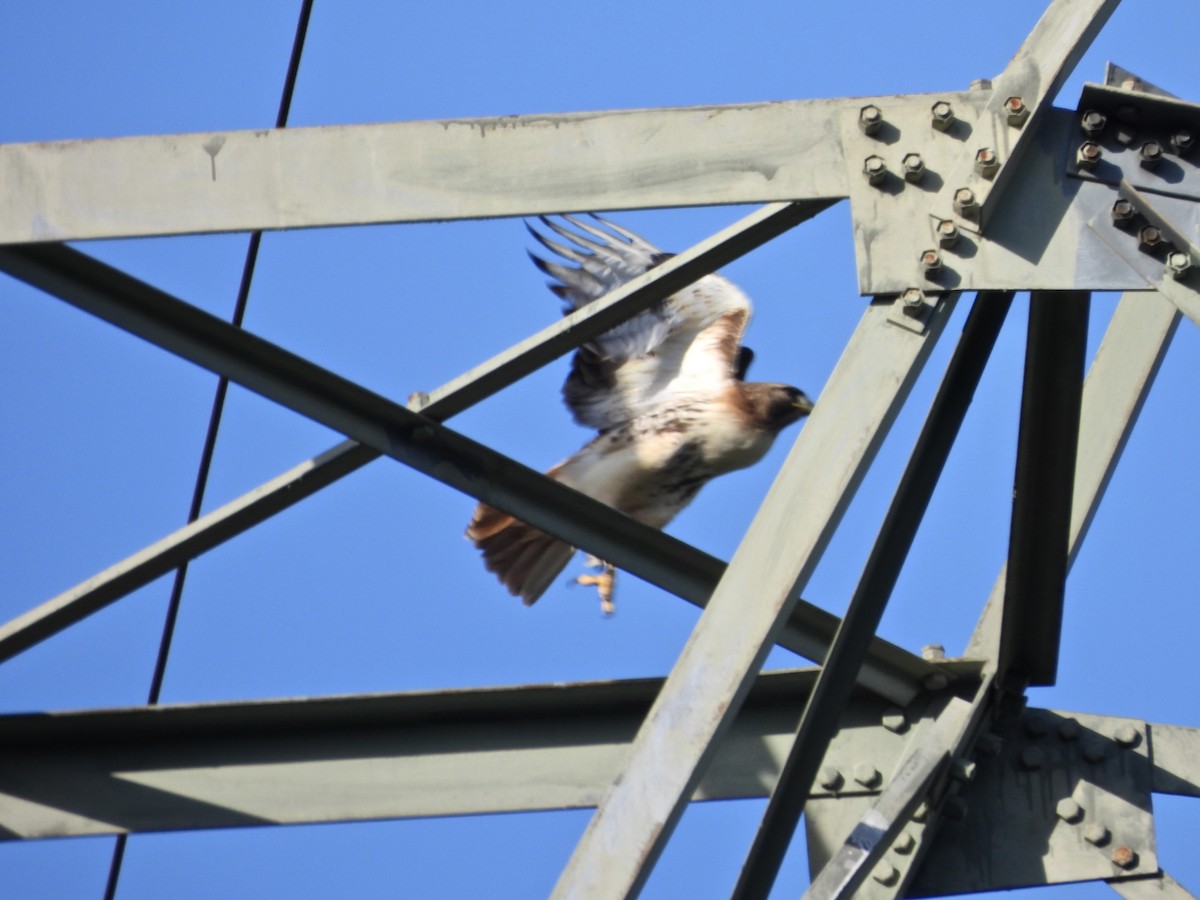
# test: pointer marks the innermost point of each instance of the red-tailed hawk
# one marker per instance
(666, 391)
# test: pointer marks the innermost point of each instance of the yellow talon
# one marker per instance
(605, 583)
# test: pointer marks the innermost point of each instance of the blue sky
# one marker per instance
(368, 586)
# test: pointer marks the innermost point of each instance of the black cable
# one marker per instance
(210, 436)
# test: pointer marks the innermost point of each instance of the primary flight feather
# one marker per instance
(665, 389)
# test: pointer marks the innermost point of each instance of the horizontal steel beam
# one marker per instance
(375, 756)
(425, 171)
(412, 439)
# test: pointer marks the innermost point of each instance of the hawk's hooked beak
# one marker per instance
(803, 404)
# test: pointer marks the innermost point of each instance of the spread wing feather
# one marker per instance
(685, 348)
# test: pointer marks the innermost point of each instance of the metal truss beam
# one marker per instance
(824, 708)
(773, 562)
(456, 752)
(1116, 387)
(424, 171)
(1161, 887)
(412, 439)
(1047, 444)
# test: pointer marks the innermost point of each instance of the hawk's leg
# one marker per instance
(604, 582)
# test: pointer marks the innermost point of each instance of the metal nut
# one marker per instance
(1182, 141)
(870, 118)
(1016, 110)
(914, 167)
(1088, 155)
(904, 844)
(934, 652)
(965, 203)
(866, 775)
(894, 719)
(1123, 213)
(1178, 264)
(1068, 730)
(1093, 122)
(987, 163)
(1032, 758)
(942, 115)
(931, 263)
(886, 874)
(829, 778)
(1125, 857)
(921, 813)
(962, 769)
(1149, 237)
(989, 744)
(1068, 810)
(1150, 155)
(1097, 834)
(1127, 735)
(914, 302)
(1126, 134)
(875, 169)
(947, 235)
(1095, 751)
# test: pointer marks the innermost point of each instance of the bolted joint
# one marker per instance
(1088, 155)
(867, 775)
(987, 163)
(894, 719)
(941, 115)
(870, 118)
(1068, 810)
(947, 235)
(1150, 238)
(931, 263)
(1182, 141)
(874, 169)
(914, 167)
(1016, 111)
(1093, 123)
(965, 203)
(1123, 213)
(1096, 834)
(1150, 155)
(1124, 857)
(1178, 264)
(830, 778)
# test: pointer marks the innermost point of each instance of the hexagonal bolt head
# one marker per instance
(931, 263)
(1126, 135)
(1016, 111)
(870, 118)
(934, 652)
(1095, 751)
(1124, 857)
(829, 778)
(914, 167)
(942, 114)
(1179, 264)
(1150, 238)
(1032, 758)
(1088, 155)
(1123, 213)
(1182, 142)
(955, 809)
(1096, 834)
(962, 769)
(894, 719)
(1127, 735)
(867, 775)
(1150, 155)
(1068, 810)
(886, 874)
(1093, 122)
(904, 844)
(987, 163)
(989, 744)
(1068, 730)
(874, 169)
(947, 235)
(913, 300)
(965, 203)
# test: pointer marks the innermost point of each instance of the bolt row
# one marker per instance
(941, 115)
(1151, 239)
(1095, 833)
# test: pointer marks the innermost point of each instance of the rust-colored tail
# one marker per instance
(524, 559)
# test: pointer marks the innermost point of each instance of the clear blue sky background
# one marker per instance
(369, 586)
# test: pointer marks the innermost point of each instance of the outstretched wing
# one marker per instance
(683, 349)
